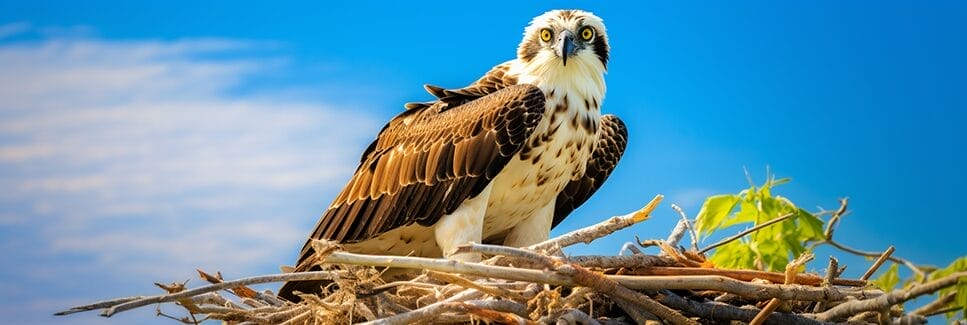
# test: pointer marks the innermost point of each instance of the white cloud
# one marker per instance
(134, 160)
(146, 117)
(12, 29)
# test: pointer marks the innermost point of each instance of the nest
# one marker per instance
(540, 285)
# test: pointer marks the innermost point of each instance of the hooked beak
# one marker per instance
(565, 46)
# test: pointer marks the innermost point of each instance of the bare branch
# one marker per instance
(680, 228)
(505, 251)
(832, 272)
(791, 270)
(837, 215)
(940, 303)
(428, 312)
(747, 231)
(890, 299)
(588, 234)
(744, 275)
(573, 316)
(127, 304)
(627, 261)
(610, 287)
(98, 305)
(879, 261)
(460, 281)
(916, 269)
(725, 312)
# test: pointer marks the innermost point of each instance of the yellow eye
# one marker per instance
(546, 35)
(587, 33)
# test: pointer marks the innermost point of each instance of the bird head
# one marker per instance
(567, 38)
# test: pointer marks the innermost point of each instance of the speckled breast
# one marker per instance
(556, 153)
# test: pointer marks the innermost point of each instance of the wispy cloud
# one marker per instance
(135, 159)
(7, 30)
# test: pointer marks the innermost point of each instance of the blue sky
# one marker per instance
(139, 141)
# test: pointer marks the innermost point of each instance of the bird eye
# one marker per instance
(587, 33)
(546, 35)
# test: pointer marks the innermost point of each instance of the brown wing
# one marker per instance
(495, 79)
(426, 162)
(612, 141)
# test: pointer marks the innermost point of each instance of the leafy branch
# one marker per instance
(780, 231)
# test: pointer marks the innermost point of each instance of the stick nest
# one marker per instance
(540, 285)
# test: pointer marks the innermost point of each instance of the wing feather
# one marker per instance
(612, 141)
(447, 156)
(496, 79)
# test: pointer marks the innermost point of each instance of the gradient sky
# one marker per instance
(140, 141)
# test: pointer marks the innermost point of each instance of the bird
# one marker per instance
(501, 161)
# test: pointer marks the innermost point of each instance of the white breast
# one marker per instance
(559, 150)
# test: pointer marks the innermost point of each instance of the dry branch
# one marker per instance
(747, 231)
(589, 234)
(792, 269)
(890, 299)
(744, 275)
(879, 261)
(122, 304)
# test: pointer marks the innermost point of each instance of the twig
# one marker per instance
(640, 316)
(573, 316)
(837, 215)
(791, 270)
(725, 312)
(627, 261)
(908, 264)
(588, 234)
(427, 312)
(688, 226)
(495, 311)
(460, 281)
(831, 227)
(610, 287)
(832, 272)
(629, 247)
(686, 258)
(879, 261)
(127, 303)
(890, 299)
(744, 275)
(98, 305)
(505, 251)
(927, 309)
(649, 242)
(943, 311)
(747, 231)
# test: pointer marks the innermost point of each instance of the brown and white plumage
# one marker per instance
(499, 161)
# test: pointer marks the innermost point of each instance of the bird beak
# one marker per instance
(565, 44)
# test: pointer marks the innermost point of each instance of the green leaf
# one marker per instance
(810, 227)
(793, 245)
(748, 213)
(771, 253)
(961, 298)
(770, 206)
(781, 181)
(713, 212)
(889, 279)
(960, 288)
(734, 255)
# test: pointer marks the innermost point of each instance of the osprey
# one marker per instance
(500, 161)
